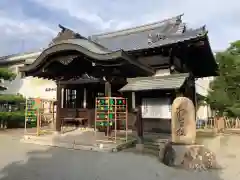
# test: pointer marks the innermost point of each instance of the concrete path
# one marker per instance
(27, 162)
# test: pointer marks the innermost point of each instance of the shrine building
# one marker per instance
(150, 65)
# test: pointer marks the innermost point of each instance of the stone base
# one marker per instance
(56, 132)
(140, 147)
(161, 146)
(189, 157)
(181, 150)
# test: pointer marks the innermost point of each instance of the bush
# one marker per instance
(12, 119)
(11, 99)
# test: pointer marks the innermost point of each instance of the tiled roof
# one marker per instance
(173, 81)
(137, 37)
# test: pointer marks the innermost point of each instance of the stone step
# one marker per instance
(157, 143)
(151, 151)
(153, 146)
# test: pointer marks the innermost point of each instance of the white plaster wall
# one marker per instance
(31, 87)
(28, 86)
(35, 87)
(202, 112)
(202, 85)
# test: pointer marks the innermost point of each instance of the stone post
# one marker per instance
(183, 121)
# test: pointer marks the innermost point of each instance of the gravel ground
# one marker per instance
(32, 162)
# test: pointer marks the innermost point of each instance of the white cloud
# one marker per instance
(28, 27)
(20, 34)
(220, 16)
(124, 13)
(76, 9)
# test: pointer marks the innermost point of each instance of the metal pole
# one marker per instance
(115, 109)
(95, 123)
(25, 125)
(38, 122)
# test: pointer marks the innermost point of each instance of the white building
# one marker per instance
(202, 89)
(28, 86)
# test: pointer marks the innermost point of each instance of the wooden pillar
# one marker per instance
(57, 124)
(64, 97)
(133, 100)
(190, 91)
(78, 97)
(108, 89)
(195, 98)
(139, 123)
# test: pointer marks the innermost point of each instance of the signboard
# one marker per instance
(156, 108)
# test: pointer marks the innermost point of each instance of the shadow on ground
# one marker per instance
(28, 161)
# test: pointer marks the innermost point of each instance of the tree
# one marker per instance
(225, 89)
(5, 74)
(8, 99)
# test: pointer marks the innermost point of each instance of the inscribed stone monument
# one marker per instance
(183, 121)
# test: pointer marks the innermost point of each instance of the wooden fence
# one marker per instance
(219, 123)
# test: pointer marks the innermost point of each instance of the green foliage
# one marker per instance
(11, 99)
(234, 48)
(6, 74)
(13, 116)
(225, 94)
(13, 119)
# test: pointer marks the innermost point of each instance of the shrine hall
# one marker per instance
(150, 65)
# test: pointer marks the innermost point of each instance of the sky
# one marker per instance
(29, 25)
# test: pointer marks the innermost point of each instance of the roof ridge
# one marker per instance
(136, 28)
(158, 77)
(20, 54)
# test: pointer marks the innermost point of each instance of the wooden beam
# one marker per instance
(107, 89)
(57, 124)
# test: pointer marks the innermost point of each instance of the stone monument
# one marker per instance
(183, 121)
(182, 151)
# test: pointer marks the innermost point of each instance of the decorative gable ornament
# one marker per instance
(153, 38)
(65, 34)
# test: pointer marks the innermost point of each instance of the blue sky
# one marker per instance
(27, 25)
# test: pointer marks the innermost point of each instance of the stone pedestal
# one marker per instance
(182, 151)
(161, 151)
(196, 157)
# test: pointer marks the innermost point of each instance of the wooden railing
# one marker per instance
(219, 123)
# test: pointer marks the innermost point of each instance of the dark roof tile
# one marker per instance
(133, 38)
(173, 81)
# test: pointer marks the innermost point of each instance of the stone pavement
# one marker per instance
(28, 161)
(81, 140)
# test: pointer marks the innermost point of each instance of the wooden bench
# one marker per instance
(71, 117)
